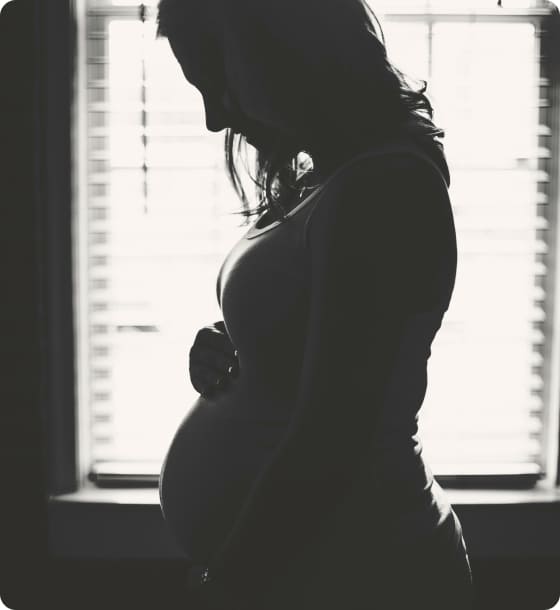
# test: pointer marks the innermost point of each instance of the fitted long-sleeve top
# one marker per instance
(334, 311)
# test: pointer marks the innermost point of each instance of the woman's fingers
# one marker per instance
(221, 326)
(213, 338)
(223, 363)
(212, 359)
(211, 372)
(207, 380)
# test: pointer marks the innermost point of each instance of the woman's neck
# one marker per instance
(325, 163)
(327, 159)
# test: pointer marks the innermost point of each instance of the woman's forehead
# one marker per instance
(193, 18)
(183, 46)
(198, 54)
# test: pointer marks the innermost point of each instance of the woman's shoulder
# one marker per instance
(378, 187)
(408, 158)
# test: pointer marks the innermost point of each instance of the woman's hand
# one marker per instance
(212, 360)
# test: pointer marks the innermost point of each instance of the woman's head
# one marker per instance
(292, 76)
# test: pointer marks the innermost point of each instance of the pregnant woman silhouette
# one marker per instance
(297, 481)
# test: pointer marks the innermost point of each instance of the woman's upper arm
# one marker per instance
(388, 217)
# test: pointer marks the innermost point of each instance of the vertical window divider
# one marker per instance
(143, 97)
(549, 80)
(80, 243)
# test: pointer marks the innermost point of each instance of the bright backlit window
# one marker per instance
(155, 220)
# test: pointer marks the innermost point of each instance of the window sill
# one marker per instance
(90, 493)
(127, 523)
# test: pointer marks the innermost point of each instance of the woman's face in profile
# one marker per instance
(211, 84)
(235, 87)
(222, 110)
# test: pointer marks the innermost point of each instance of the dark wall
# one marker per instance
(23, 522)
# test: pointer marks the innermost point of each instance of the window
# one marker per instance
(154, 221)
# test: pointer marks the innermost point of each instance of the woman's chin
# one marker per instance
(256, 139)
(257, 134)
(250, 137)
(264, 137)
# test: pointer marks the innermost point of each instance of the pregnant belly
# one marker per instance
(209, 468)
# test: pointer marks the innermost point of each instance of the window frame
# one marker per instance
(102, 474)
(57, 65)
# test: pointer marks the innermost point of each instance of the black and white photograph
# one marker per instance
(280, 304)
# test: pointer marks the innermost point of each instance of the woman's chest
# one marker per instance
(263, 288)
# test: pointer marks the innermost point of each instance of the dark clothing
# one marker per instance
(304, 485)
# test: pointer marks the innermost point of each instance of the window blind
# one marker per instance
(158, 223)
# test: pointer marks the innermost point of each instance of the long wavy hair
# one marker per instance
(326, 67)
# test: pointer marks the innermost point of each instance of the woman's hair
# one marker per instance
(325, 67)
